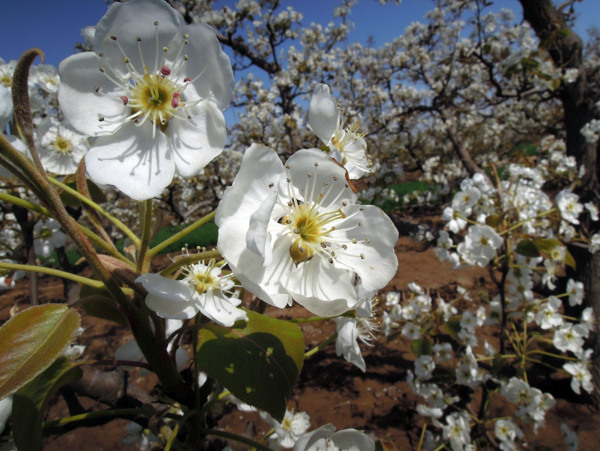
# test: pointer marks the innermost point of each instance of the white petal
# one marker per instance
(166, 308)
(6, 106)
(81, 104)
(321, 288)
(133, 161)
(323, 113)
(207, 65)
(378, 263)
(327, 178)
(260, 168)
(130, 20)
(197, 141)
(219, 309)
(161, 286)
(257, 238)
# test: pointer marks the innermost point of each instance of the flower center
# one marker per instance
(6, 80)
(204, 281)
(309, 228)
(155, 97)
(45, 234)
(62, 145)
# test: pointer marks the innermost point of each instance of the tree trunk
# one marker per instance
(566, 50)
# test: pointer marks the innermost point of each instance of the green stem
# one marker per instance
(320, 346)
(116, 413)
(172, 438)
(53, 272)
(143, 263)
(181, 234)
(24, 203)
(117, 222)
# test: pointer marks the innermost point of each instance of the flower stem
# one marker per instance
(320, 346)
(53, 272)
(90, 203)
(181, 234)
(143, 264)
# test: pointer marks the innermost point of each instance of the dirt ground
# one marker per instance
(330, 390)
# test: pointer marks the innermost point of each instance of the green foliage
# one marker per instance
(31, 341)
(29, 403)
(258, 361)
(423, 346)
(204, 236)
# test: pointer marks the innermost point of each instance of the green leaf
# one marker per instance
(452, 328)
(31, 341)
(569, 260)
(546, 245)
(421, 347)
(259, 362)
(103, 307)
(29, 403)
(527, 248)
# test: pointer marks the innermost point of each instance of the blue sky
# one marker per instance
(55, 25)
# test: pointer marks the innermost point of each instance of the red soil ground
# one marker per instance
(330, 390)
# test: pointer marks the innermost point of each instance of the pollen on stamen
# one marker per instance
(165, 70)
(125, 100)
(186, 79)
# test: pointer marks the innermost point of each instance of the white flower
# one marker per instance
(548, 316)
(480, 245)
(581, 376)
(347, 146)
(203, 289)
(575, 292)
(60, 147)
(294, 232)
(326, 439)
(569, 206)
(47, 236)
(291, 427)
(457, 430)
(424, 367)
(6, 106)
(507, 430)
(570, 436)
(349, 331)
(45, 76)
(151, 93)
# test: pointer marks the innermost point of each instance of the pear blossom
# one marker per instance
(326, 438)
(351, 330)
(291, 427)
(294, 232)
(47, 236)
(507, 431)
(581, 376)
(151, 94)
(346, 145)
(457, 430)
(479, 245)
(60, 147)
(204, 289)
(575, 292)
(569, 206)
